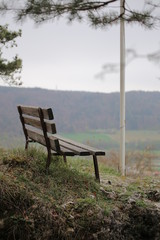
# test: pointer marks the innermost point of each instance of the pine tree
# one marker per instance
(9, 70)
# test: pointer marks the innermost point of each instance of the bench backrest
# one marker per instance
(37, 125)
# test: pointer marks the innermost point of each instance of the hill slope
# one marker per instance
(69, 204)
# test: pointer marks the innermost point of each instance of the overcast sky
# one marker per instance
(68, 57)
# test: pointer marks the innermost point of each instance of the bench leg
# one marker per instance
(26, 145)
(65, 158)
(48, 162)
(96, 168)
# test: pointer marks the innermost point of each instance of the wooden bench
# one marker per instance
(38, 126)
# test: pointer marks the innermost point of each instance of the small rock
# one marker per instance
(131, 201)
(70, 230)
(1, 224)
(109, 195)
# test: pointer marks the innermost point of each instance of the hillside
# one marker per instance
(68, 203)
(80, 111)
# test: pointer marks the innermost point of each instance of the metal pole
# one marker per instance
(122, 92)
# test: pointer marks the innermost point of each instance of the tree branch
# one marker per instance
(96, 12)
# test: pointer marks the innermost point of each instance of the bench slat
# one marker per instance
(33, 122)
(63, 152)
(75, 149)
(80, 145)
(67, 149)
(51, 127)
(54, 144)
(66, 152)
(34, 111)
(36, 137)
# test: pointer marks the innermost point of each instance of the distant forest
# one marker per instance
(81, 111)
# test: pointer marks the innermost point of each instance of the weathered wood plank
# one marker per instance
(75, 149)
(51, 127)
(34, 111)
(31, 111)
(35, 122)
(62, 150)
(36, 137)
(66, 152)
(80, 145)
(54, 144)
(47, 113)
(55, 153)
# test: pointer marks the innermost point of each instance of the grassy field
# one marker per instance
(142, 147)
(104, 139)
(135, 140)
(92, 138)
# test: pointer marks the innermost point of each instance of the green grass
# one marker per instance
(66, 191)
(65, 204)
(92, 138)
(103, 139)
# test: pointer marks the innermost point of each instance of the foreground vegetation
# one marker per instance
(69, 204)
